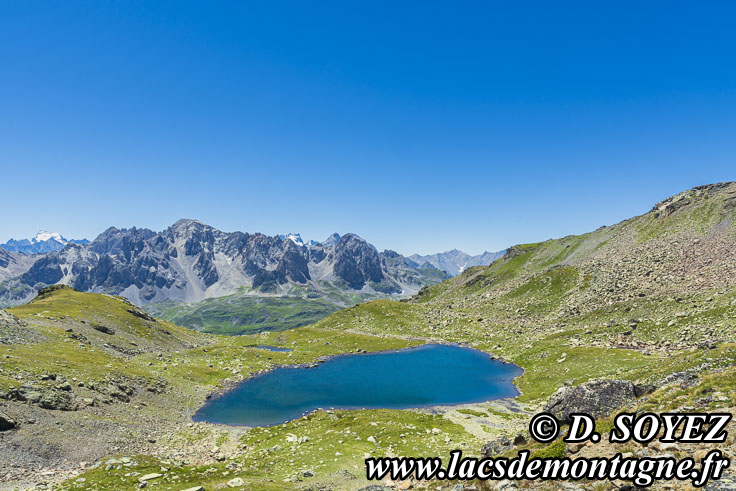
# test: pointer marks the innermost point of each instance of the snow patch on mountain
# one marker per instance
(43, 236)
(295, 238)
(43, 242)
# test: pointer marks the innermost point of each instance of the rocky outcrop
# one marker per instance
(59, 398)
(118, 389)
(5, 258)
(103, 329)
(597, 398)
(495, 447)
(668, 206)
(15, 331)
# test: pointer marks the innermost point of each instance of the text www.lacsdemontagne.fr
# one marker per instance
(641, 471)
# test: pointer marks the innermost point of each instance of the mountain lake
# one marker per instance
(427, 375)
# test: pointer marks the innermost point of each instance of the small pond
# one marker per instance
(428, 375)
(269, 348)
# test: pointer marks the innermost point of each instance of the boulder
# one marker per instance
(150, 477)
(235, 482)
(644, 389)
(7, 423)
(54, 399)
(103, 329)
(597, 398)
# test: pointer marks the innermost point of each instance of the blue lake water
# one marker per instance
(427, 375)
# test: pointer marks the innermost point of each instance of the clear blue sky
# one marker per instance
(420, 126)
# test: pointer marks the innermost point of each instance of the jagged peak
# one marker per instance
(353, 238)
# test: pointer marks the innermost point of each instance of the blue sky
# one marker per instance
(421, 126)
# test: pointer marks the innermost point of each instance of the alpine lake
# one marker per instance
(427, 375)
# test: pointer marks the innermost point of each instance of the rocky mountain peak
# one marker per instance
(356, 261)
(120, 241)
(185, 226)
(331, 240)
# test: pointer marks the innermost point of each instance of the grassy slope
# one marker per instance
(54, 313)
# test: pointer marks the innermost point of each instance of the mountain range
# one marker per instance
(455, 262)
(191, 261)
(42, 243)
